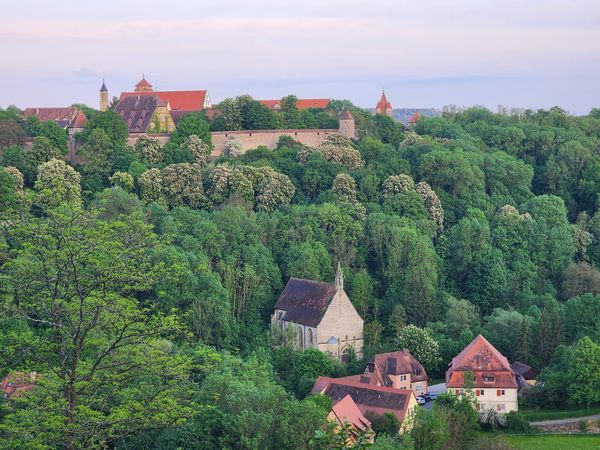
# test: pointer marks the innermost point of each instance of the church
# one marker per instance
(320, 315)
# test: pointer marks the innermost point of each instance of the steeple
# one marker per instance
(339, 278)
(143, 85)
(103, 97)
(383, 105)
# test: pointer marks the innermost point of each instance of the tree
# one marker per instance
(110, 122)
(56, 134)
(397, 184)
(75, 279)
(57, 183)
(41, 151)
(549, 333)
(194, 123)
(148, 150)
(584, 373)
(582, 318)
(337, 149)
(420, 343)
(151, 186)
(97, 154)
(580, 279)
(10, 133)
(8, 188)
(182, 185)
(344, 188)
(199, 149)
(500, 328)
(122, 180)
(524, 342)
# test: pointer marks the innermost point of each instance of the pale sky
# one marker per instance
(426, 53)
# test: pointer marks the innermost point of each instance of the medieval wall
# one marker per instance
(249, 140)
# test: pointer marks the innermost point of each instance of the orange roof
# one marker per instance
(178, 100)
(65, 117)
(303, 103)
(346, 411)
(416, 116)
(347, 116)
(484, 361)
(383, 104)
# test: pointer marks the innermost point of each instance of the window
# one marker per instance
(310, 336)
(500, 392)
(456, 391)
(402, 377)
(501, 407)
(488, 379)
(477, 406)
(479, 392)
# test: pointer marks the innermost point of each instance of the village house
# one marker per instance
(346, 412)
(495, 384)
(370, 399)
(319, 315)
(71, 119)
(398, 370)
(16, 383)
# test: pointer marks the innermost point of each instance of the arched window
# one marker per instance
(311, 339)
(300, 338)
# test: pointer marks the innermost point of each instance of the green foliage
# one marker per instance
(420, 343)
(584, 373)
(108, 121)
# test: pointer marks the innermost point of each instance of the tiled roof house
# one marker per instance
(495, 383)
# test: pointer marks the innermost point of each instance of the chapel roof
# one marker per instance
(305, 301)
(137, 111)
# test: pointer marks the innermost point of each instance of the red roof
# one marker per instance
(383, 104)
(143, 85)
(485, 362)
(65, 117)
(178, 100)
(346, 410)
(303, 103)
(367, 397)
(396, 363)
(347, 116)
(416, 116)
(18, 382)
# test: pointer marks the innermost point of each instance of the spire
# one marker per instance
(339, 277)
(103, 88)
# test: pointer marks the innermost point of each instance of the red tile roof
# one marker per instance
(303, 103)
(178, 100)
(484, 361)
(383, 104)
(346, 410)
(143, 85)
(413, 119)
(367, 397)
(396, 363)
(14, 384)
(65, 117)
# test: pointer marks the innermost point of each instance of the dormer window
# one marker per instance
(488, 379)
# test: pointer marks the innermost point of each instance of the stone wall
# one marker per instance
(250, 139)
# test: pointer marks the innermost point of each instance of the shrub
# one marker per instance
(490, 419)
(517, 423)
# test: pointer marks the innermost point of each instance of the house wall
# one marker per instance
(491, 400)
(418, 387)
(342, 322)
(408, 421)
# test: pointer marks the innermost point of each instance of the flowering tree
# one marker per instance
(199, 149)
(148, 149)
(18, 176)
(421, 344)
(150, 184)
(182, 185)
(336, 149)
(122, 180)
(397, 184)
(57, 183)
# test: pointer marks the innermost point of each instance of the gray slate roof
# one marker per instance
(305, 301)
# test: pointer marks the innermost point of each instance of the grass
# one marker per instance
(555, 442)
(534, 415)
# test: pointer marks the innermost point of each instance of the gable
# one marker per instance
(342, 315)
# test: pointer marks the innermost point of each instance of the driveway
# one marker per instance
(565, 421)
(436, 389)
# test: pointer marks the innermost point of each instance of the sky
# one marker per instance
(425, 53)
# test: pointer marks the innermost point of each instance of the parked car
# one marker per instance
(421, 400)
(432, 396)
(427, 397)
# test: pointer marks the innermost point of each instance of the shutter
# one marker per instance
(498, 393)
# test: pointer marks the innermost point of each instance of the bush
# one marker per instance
(490, 419)
(517, 423)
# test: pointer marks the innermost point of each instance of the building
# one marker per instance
(414, 118)
(250, 139)
(194, 100)
(16, 383)
(302, 103)
(398, 370)
(319, 315)
(384, 107)
(495, 382)
(147, 114)
(525, 374)
(346, 412)
(370, 399)
(71, 119)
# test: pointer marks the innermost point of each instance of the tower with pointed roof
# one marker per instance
(103, 97)
(384, 106)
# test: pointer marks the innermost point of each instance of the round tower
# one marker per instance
(347, 126)
(103, 97)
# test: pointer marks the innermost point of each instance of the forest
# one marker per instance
(139, 281)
